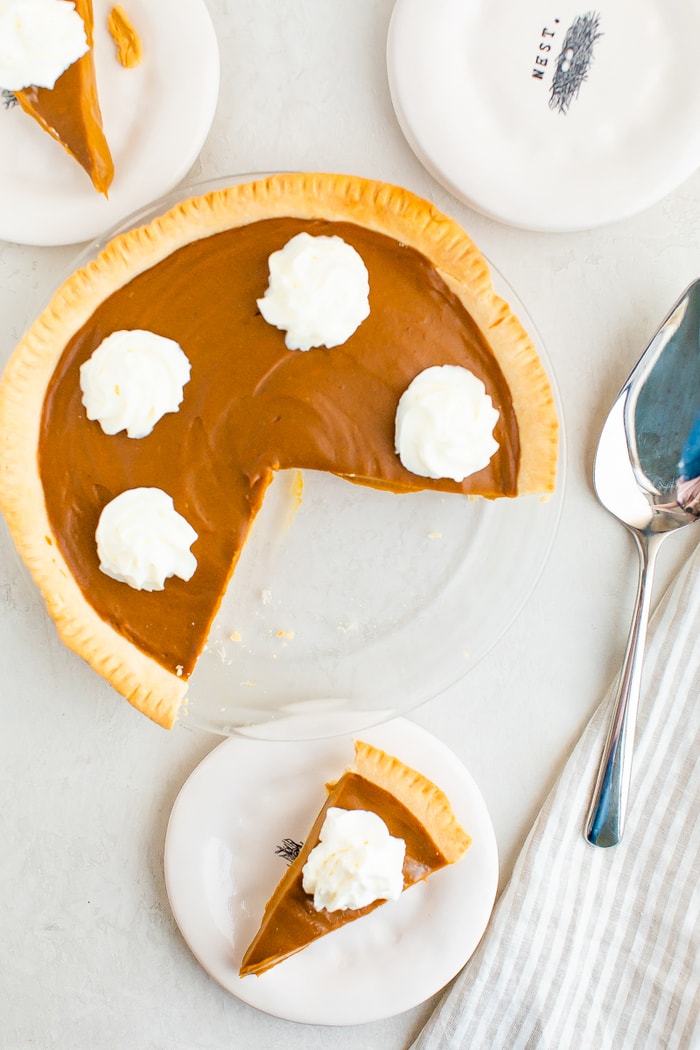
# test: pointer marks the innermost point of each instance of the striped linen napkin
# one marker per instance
(599, 949)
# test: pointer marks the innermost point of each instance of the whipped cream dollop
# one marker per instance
(355, 862)
(132, 379)
(143, 541)
(39, 40)
(318, 291)
(444, 424)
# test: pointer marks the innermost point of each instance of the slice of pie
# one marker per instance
(252, 406)
(413, 809)
(70, 111)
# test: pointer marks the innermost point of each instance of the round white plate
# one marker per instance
(156, 118)
(550, 118)
(242, 801)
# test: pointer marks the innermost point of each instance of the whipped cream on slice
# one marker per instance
(39, 40)
(318, 291)
(132, 379)
(355, 862)
(444, 424)
(143, 541)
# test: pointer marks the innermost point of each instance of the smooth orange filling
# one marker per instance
(251, 407)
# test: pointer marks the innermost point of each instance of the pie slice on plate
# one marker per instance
(413, 809)
(70, 111)
(251, 406)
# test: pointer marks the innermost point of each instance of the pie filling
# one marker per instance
(250, 408)
(291, 921)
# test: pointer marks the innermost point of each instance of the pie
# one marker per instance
(251, 407)
(413, 809)
(70, 111)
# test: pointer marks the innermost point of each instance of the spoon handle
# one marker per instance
(606, 816)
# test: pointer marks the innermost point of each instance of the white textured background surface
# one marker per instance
(90, 954)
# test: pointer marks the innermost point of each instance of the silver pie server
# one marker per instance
(647, 473)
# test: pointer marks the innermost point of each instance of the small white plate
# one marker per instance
(156, 118)
(550, 118)
(242, 801)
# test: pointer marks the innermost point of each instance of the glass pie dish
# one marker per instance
(350, 606)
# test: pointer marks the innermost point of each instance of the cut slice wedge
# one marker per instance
(413, 808)
(70, 111)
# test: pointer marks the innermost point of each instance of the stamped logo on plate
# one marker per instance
(572, 62)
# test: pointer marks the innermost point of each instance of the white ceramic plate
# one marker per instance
(156, 118)
(550, 118)
(242, 801)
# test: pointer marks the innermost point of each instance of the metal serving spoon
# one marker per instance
(647, 473)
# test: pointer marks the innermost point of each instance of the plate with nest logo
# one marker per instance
(236, 821)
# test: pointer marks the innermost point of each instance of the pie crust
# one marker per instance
(290, 921)
(384, 208)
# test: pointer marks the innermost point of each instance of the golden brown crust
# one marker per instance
(424, 799)
(384, 208)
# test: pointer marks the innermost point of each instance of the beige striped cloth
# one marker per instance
(599, 949)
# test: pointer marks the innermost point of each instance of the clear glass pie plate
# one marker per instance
(351, 606)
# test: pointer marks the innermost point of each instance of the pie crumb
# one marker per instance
(125, 37)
